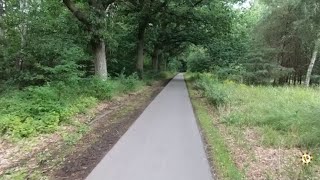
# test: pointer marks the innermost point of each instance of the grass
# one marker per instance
(23, 174)
(291, 113)
(223, 163)
(284, 117)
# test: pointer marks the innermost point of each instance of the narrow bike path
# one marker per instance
(163, 144)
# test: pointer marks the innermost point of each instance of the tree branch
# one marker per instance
(197, 3)
(76, 12)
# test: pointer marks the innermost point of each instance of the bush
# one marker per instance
(233, 72)
(97, 88)
(212, 89)
(199, 61)
(130, 83)
(175, 65)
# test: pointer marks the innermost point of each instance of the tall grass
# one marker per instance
(287, 116)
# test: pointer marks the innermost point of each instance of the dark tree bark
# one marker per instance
(140, 48)
(155, 58)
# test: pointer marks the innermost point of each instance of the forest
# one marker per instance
(255, 63)
(51, 51)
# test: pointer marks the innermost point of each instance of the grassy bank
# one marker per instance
(38, 110)
(289, 116)
(281, 119)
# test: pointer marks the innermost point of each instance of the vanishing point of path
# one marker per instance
(163, 144)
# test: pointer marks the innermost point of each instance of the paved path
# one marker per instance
(163, 144)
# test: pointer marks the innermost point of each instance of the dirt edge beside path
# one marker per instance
(106, 131)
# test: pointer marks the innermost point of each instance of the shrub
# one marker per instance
(175, 65)
(199, 61)
(212, 89)
(98, 88)
(131, 82)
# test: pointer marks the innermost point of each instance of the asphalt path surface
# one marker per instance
(164, 143)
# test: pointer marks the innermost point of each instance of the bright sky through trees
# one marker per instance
(246, 4)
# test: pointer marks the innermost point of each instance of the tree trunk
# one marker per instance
(100, 61)
(23, 34)
(97, 10)
(162, 63)
(313, 60)
(2, 10)
(300, 79)
(165, 65)
(140, 55)
(155, 59)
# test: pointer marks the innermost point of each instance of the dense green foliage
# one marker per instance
(270, 42)
(50, 50)
(37, 110)
(45, 41)
(57, 58)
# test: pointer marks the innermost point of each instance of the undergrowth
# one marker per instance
(37, 110)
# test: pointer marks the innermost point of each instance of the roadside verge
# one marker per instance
(222, 164)
(75, 150)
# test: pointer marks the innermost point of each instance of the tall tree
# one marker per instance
(187, 22)
(283, 40)
(311, 30)
(312, 62)
(93, 17)
(145, 13)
